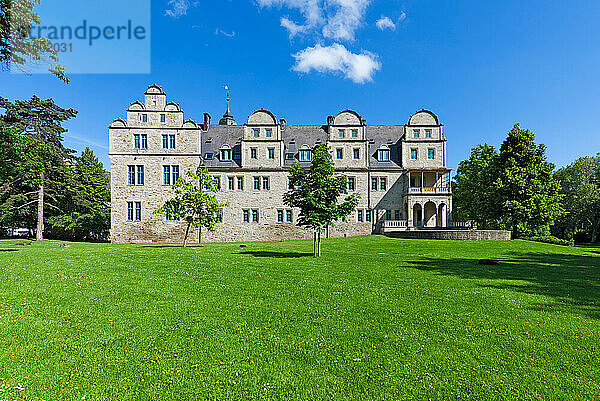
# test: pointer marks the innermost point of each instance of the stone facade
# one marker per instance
(398, 170)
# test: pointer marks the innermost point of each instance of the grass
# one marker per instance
(373, 319)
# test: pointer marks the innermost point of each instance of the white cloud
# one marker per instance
(385, 23)
(402, 17)
(219, 31)
(333, 19)
(178, 8)
(336, 58)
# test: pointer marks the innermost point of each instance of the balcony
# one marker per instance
(442, 190)
(395, 225)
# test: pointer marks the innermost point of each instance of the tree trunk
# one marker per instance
(187, 231)
(314, 244)
(200, 236)
(594, 233)
(39, 234)
(319, 245)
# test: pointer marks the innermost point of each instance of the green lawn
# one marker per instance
(373, 319)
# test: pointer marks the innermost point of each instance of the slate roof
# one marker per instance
(294, 137)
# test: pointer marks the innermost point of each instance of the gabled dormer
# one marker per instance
(348, 125)
(262, 125)
(424, 125)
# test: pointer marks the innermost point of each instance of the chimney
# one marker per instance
(330, 120)
(206, 122)
(282, 122)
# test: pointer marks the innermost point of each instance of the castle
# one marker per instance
(399, 171)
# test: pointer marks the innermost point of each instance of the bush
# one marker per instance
(548, 239)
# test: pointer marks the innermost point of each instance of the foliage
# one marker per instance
(549, 239)
(85, 203)
(194, 202)
(580, 185)
(35, 127)
(514, 189)
(17, 47)
(527, 186)
(316, 192)
(474, 192)
(373, 319)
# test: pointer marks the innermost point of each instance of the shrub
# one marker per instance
(549, 239)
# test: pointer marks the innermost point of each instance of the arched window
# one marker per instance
(383, 153)
(305, 153)
(226, 153)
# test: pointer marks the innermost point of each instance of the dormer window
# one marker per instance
(144, 118)
(341, 133)
(269, 132)
(163, 118)
(304, 153)
(289, 156)
(354, 133)
(383, 153)
(427, 133)
(416, 133)
(256, 132)
(226, 153)
(208, 156)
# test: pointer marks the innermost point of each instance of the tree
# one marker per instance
(580, 186)
(526, 185)
(85, 201)
(194, 202)
(39, 122)
(474, 191)
(316, 193)
(17, 45)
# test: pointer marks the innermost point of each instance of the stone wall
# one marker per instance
(456, 235)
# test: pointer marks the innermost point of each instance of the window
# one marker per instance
(289, 217)
(415, 182)
(360, 216)
(226, 153)
(237, 154)
(396, 214)
(254, 216)
(133, 178)
(431, 154)
(231, 183)
(269, 132)
(356, 153)
(290, 185)
(138, 211)
(129, 211)
(208, 156)
(427, 133)
(416, 133)
(166, 175)
(240, 183)
(280, 216)
(144, 118)
(305, 154)
(175, 172)
(388, 214)
(256, 132)
(369, 215)
(341, 133)
(383, 153)
(172, 141)
(144, 141)
(413, 154)
(374, 184)
(136, 141)
(354, 133)
(351, 183)
(246, 215)
(165, 140)
(163, 118)
(131, 175)
(253, 153)
(266, 185)
(271, 153)
(257, 183)
(289, 156)
(140, 175)
(383, 184)
(339, 153)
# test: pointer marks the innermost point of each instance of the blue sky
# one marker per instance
(480, 65)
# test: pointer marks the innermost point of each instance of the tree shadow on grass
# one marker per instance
(9, 250)
(572, 281)
(273, 254)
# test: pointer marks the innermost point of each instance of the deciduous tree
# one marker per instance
(316, 193)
